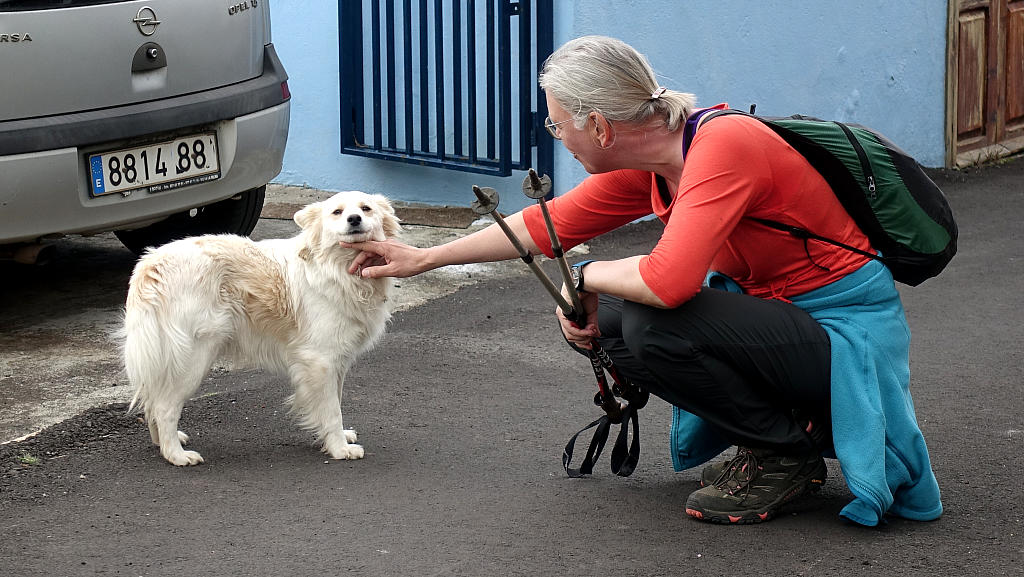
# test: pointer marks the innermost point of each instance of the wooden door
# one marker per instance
(986, 72)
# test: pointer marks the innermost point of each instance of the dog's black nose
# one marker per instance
(354, 219)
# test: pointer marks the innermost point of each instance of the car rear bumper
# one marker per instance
(44, 189)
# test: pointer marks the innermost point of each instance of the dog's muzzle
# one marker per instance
(355, 224)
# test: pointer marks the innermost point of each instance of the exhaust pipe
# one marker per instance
(32, 253)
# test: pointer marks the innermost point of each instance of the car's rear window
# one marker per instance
(16, 5)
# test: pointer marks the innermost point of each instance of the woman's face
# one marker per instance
(580, 142)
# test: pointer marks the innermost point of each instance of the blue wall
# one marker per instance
(874, 62)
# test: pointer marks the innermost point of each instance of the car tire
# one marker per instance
(236, 215)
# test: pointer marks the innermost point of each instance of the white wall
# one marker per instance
(875, 62)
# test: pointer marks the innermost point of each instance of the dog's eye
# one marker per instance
(337, 211)
(366, 208)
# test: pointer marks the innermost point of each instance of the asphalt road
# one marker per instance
(464, 409)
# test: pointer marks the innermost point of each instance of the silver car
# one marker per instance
(155, 120)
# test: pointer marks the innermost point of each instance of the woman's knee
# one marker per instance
(609, 316)
(646, 340)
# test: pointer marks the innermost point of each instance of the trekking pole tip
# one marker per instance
(486, 200)
(536, 187)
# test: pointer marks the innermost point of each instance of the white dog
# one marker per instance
(286, 305)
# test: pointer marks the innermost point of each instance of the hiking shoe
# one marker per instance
(715, 471)
(754, 485)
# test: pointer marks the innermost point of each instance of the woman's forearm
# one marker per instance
(620, 278)
(487, 245)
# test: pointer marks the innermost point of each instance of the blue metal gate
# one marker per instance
(446, 83)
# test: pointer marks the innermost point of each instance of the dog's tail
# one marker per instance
(161, 329)
(143, 339)
(144, 363)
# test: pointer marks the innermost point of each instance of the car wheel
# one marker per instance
(236, 215)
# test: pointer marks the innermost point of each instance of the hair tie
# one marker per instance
(657, 93)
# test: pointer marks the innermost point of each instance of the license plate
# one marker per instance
(156, 167)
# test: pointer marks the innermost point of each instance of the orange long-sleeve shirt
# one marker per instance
(736, 167)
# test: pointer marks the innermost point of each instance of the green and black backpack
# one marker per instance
(903, 213)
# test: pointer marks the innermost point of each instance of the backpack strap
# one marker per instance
(803, 233)
(690, 130)
(694, 120)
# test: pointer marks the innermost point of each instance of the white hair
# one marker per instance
(606, 75)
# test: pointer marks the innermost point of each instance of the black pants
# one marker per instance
(756, 370)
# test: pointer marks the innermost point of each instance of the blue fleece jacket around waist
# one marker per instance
(877, 439)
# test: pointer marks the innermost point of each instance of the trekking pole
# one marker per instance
(487, 203)
(624, 459)
(537, 188)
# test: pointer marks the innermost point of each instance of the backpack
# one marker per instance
(886, 192)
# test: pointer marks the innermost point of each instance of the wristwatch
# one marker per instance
(576, 272)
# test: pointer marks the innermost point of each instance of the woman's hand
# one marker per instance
(388, 258)
(580, 335)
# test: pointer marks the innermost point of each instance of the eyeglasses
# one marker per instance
(552, 127)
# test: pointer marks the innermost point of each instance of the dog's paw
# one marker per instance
(350, 435)
(343, 450)
(350, 451)
(182, 437)
(184, 458)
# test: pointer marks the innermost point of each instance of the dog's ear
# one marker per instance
(307, 219)
(389, 221)
(307, 216)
